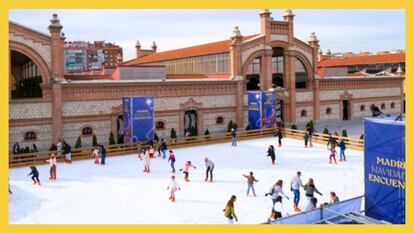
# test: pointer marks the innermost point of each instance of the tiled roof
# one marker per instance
(363, 59)
(197, 76)
(210, 48)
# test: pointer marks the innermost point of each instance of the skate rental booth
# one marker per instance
(383, 201)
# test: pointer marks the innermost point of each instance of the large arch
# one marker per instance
(307, 65)
(35, 57)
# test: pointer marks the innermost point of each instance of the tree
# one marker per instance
(156, 138)
(294, 126)
(326, 131)
(206, 132)
(94, 140)
(53, 147)
(248, 127)
(230, 126)
(362, 137)
(78, 143)
(344, 133)
(193, 131)
(173, 133)
(26, 150)
(111, 139)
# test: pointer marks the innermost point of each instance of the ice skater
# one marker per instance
(310, 133)
(275, 191)
(95, 154)
(310, 190)
(209, 169)
(164, 149)
(233, 135)
(103, 154)
(332, 143)
(271, 153)
(35, 175)
(277, 210)
(171, 160)
(333, 198)
(173, 187)
(306, 139)
(229, 210)
(250, 183)
(279, 136)
(53, 166)
(151, 152)
(147, 162)
(332, 155)
(68, 152)
(295, 185)
(185, 169)
(342, 147)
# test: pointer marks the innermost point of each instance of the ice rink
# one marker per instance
(120, 192)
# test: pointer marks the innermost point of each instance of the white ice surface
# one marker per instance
(120, 192)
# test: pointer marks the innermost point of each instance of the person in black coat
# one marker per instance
(35, 175)
(271, 153)
(16, 148)
(164, 148)
(279, 135)
(103, 154)
(67, 149)
(332, 142)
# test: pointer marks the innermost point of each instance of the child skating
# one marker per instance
(185, 169)
(279, 136)
(151, 152)
(147, 162)
(332, 155)
(171, 160)
(95, 154)
(53, 164)
(250, 183)
(173, 187)
(342, 147)
(35, 175)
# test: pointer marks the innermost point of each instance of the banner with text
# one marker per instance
(254, 99)
(385, 170)
(138, 118)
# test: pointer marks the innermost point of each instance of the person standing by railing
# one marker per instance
(233, 135)
(68, 152)
(342, 147)
(95, 153)
(310, 134)
(103, 154)
(53, 166)
(16, 148)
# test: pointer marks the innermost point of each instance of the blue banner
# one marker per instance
(139, 118)
(254, 99)
(385, 170)
(269, 109)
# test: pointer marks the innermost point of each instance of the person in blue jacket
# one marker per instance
(35, 175)
(342, 146)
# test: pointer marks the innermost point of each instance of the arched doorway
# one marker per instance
(26, 77)
(253, 75)
(190, 122)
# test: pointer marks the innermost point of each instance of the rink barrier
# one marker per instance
(38, 158)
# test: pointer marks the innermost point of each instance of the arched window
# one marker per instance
(362, 108)
(219, 120)
(392, 105)
(277, 67)
(30, 135)
(328, 111)
(382, 106)
(86, 131)
(253, 75)
(160, 125)
(303, 113)
(300, 74)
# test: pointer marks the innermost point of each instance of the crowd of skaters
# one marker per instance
(276, 192)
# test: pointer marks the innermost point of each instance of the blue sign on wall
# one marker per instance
(254, 99)
(385, 170)
(138, 118)
(261, 109)
(269, 109)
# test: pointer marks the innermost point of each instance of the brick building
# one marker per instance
(202, 86)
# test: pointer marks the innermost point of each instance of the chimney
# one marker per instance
(138, 49)
(154, 47)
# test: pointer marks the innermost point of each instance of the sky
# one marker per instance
(337, 30)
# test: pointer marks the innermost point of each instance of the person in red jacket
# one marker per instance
(185, 169)
(171, 159)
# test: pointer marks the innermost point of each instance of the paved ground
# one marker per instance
(354, 127)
